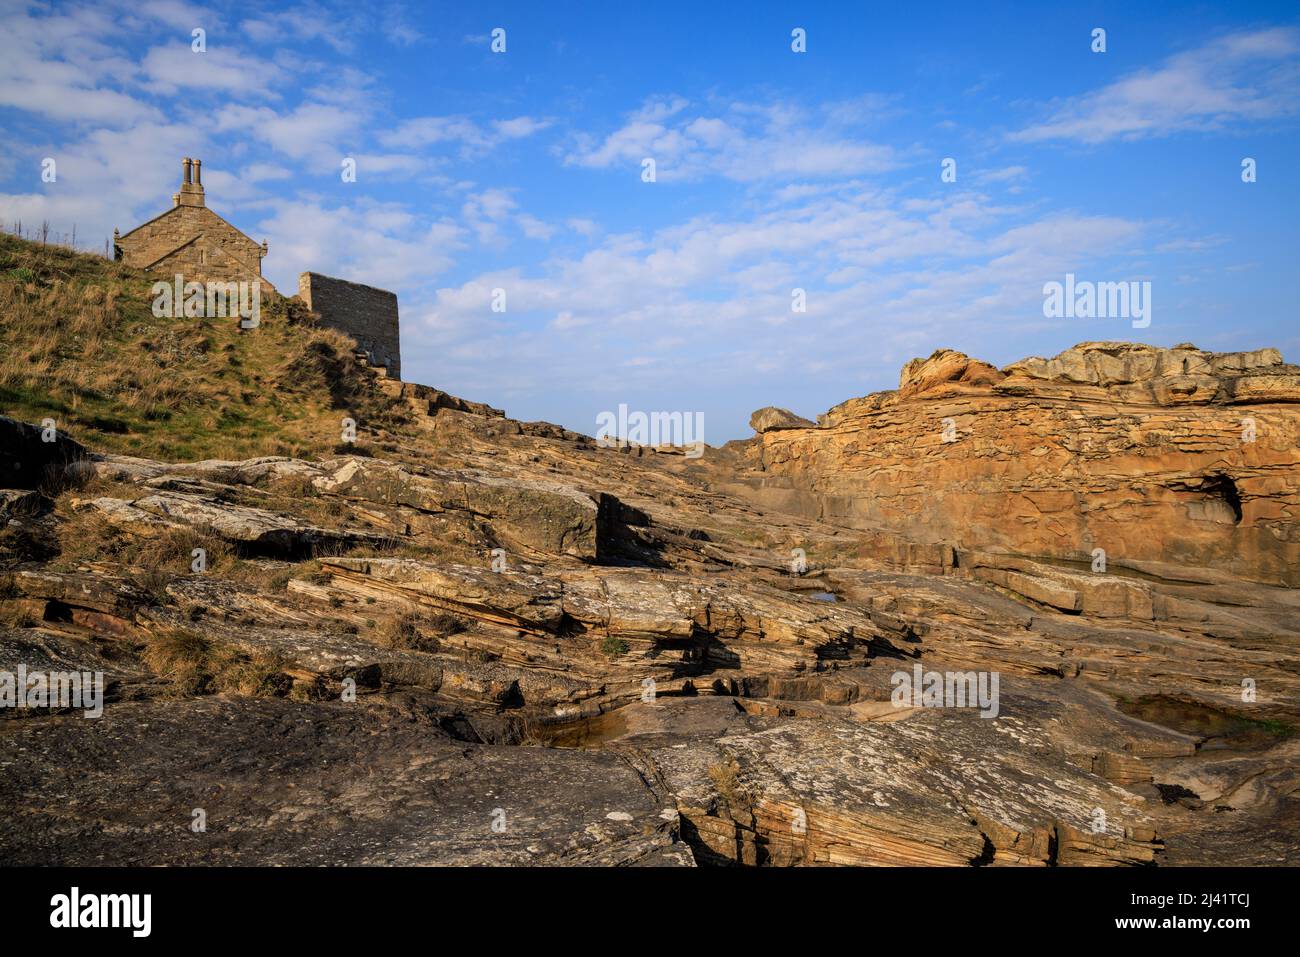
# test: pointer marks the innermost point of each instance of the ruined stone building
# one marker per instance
(367, 314)
(192, 240)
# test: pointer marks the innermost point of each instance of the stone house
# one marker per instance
(192, 240)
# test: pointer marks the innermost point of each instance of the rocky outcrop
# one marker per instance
(544, 517)
(1183, 375)
(770, 419)
(943, 368)
(539, 517)
(256, 530)
(1146, 454)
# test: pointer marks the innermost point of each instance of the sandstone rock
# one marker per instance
(540, 517)
(1142, 452)
(770, 419)
(752, 629)
(945, 367)
(698, 697)
(257, 529)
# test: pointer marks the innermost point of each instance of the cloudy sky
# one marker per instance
(775, 170)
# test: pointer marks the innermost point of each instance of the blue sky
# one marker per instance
(776, 170)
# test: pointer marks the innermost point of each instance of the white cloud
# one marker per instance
(885, 278)
(1006, 174)
(380, 244)
(398, 28)
(66, 68)
(487, 211)
(1239, 78)
(171, 68)
(587, 228)
(473, 138)
(739, 141)
(316, 133)
(307, 22)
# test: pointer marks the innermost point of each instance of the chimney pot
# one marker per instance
(186, 168)
(198, 172)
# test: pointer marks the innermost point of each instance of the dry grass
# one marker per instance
(726, 778)
(412, 632)
(17, 614)
(149, 560)
(181, 657)
(293, 487)
(193, 665)
(86, 535)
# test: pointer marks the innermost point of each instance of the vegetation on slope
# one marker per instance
(81, 346)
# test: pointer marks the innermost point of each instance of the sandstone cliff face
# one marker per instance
(1177, 456)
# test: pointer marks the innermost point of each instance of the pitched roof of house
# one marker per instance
(168, 212)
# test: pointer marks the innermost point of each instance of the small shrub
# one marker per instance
(404, 633)
(195, 665)
(479, 656)
(319, 577)
(726, 778)
(445, 623)
(294, 486)
(613, 647)
(173, 550)
(152, 583)
(15, 615)
(257, 676)
(182, 658)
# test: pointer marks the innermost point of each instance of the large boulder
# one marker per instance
(770, 418)
(945, 367)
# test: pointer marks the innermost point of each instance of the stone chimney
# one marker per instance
(191, 193)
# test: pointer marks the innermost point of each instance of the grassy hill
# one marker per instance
(80, 345)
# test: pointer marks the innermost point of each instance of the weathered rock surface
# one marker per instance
(255, 528)
(544, 517)
(285, 783)
(619, 657)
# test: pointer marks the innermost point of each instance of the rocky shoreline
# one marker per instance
(494, 642)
